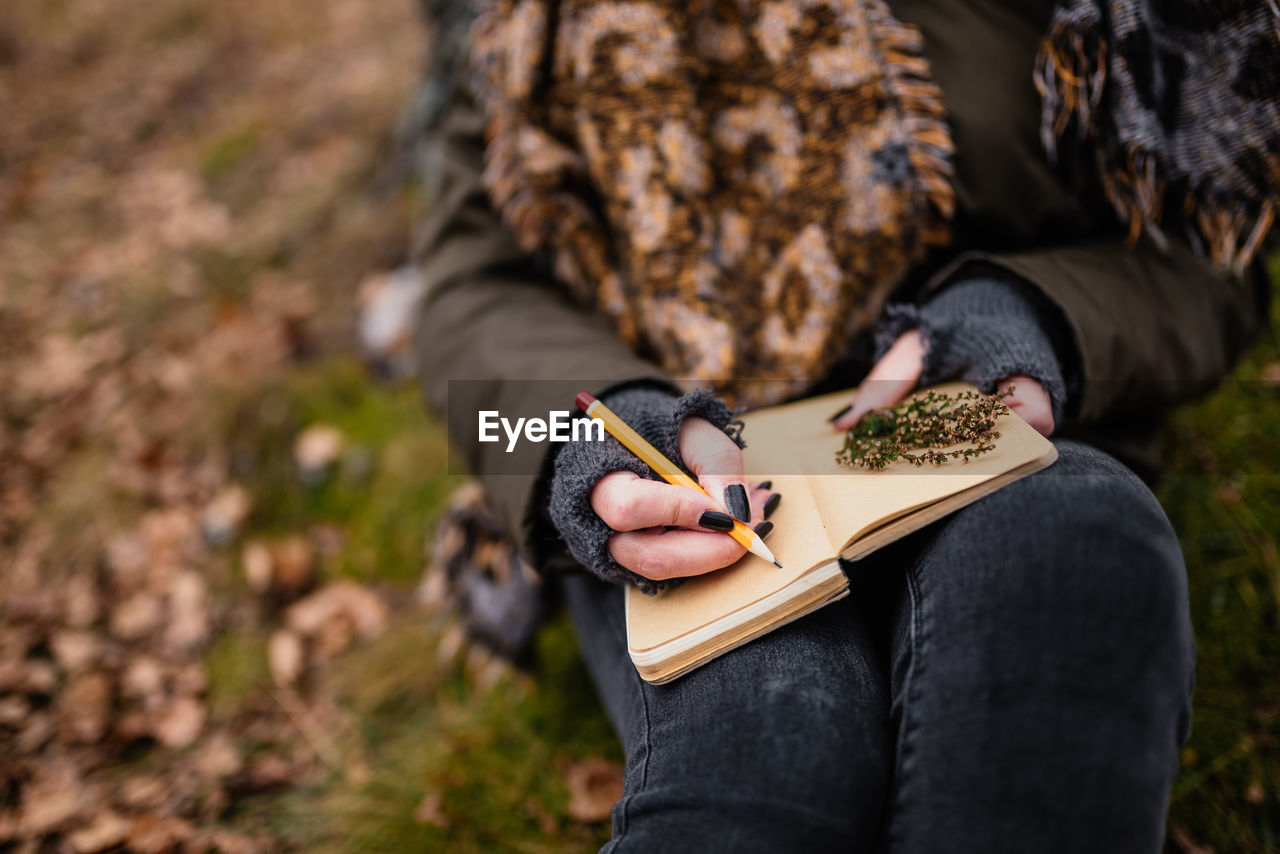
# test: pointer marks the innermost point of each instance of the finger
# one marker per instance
(717, 462)
(892, 379)
(673, 554)
(757, 498)
(1029, 401)
(628, 502)
(770, 504)
(764, 502)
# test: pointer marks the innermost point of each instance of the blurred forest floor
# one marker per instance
(212, 520)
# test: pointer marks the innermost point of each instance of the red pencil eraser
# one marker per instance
(583, 400)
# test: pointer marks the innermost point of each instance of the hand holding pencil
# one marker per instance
(679, 528)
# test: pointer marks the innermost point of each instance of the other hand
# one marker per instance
(898, 372)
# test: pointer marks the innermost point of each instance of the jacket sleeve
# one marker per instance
(493, 333)
(1151, 327)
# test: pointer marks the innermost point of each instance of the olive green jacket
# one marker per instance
(1150, 328)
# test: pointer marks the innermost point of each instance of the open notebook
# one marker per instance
(828, 510)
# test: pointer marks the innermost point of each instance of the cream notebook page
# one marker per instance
(826, 507)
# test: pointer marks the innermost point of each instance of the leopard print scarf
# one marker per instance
(736, 186)
(1179, 104)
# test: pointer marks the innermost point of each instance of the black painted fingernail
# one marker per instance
(765, 484)
(716, 521)
(735, 499)
(764, 529)
(771, 503)
(836, 417)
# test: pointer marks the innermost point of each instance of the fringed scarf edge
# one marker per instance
(1217, 221)
(930, 148)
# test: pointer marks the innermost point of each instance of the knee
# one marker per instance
(1050, 622)
(1079, 556)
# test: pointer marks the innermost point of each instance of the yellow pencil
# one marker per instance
(669, 471)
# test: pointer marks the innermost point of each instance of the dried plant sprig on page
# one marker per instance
(918, 430)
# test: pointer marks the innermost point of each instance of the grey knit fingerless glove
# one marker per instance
(982, 330)
(653, 413)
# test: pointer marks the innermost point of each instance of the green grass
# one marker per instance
(1224, 501)
(385, 490)
(229, 150)
(492, 755)
(237, 667)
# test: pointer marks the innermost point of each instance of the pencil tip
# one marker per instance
(775, 563)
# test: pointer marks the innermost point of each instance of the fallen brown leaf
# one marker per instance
(431, 811)
(35, 734)
(218, 758)
(225, 842)
(143, 792)
(268, 772)
(285, 657)
(75, 650)
(316, 450)
(39, 677)
(1186, 843)
(257, 563)
(13, 676)
(332, 637)
(142, 678)
(107, 830)
(84, 708)
(127, 558)
(154, 833)
(292, 567)
(595, 785)
(366, 612)
(223, 517)
(188, 623)
(81, 601)
(54, 797)
(179, 725)
(136, 616)
(190, 679)
(13, 710)
(451, 644)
